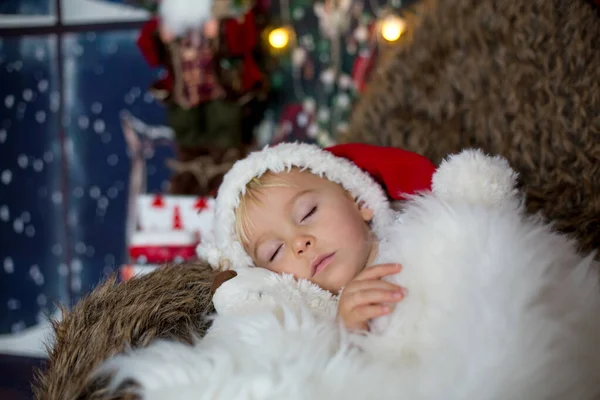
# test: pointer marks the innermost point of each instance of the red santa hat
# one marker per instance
(363, 170)
(400, 172)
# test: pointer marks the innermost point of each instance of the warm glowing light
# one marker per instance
(392, 28)
(279, 38)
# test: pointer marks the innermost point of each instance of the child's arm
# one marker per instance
(367, 296)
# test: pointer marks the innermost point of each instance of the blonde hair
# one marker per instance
(254, 189)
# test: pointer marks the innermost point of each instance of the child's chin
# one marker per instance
(336, 282)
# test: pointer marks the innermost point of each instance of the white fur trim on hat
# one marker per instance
(223, 249)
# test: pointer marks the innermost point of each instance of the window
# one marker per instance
(68, 68)
(25, 13)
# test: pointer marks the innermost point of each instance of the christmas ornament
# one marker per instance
(213, 87)
(333, 16)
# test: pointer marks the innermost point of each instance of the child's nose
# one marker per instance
(303, 243)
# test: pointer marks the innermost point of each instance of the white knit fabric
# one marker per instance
(223, 250)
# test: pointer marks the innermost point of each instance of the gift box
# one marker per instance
(167, 213)
(165, 229)
(159, 247)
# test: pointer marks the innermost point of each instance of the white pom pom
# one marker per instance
(473, 177)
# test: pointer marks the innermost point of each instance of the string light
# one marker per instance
(279, 38)
(392, 27)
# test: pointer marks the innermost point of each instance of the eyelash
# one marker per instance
(275, 253)
(310, 213)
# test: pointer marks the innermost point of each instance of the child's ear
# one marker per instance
(366, 213)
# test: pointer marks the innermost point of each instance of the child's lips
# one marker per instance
(320, 263)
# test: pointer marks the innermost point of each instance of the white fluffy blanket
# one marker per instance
(499, 307)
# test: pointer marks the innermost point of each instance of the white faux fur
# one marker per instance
(180, 16)
(499, 307)
(224, 248)
(471, 177)
(259, 357)
(258, 289)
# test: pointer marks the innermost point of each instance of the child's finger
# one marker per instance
(378, 271)
(373, 296)
(368, 312)
(379, 284)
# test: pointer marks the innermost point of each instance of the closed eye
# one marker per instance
(311, 212)
(275, 253)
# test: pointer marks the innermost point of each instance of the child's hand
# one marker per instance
(367, 296)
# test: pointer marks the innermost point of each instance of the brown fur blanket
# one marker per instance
(170, 303)
(516, 77)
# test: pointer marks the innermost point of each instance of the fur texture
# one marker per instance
(519, 78)
(259, 289)
(499, 307)
(170, 303)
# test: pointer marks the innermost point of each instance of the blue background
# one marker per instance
(62, 215)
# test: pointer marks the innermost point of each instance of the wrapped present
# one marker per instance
(166, 213)
(158, 247)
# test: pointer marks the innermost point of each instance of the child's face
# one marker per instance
(312, 229)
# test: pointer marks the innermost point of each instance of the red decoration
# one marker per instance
(148, 254)
(241, 37)
(158, 202)
(147, 45)
(365, 63)
(362, 69)
(201, 204)
(177, 224)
